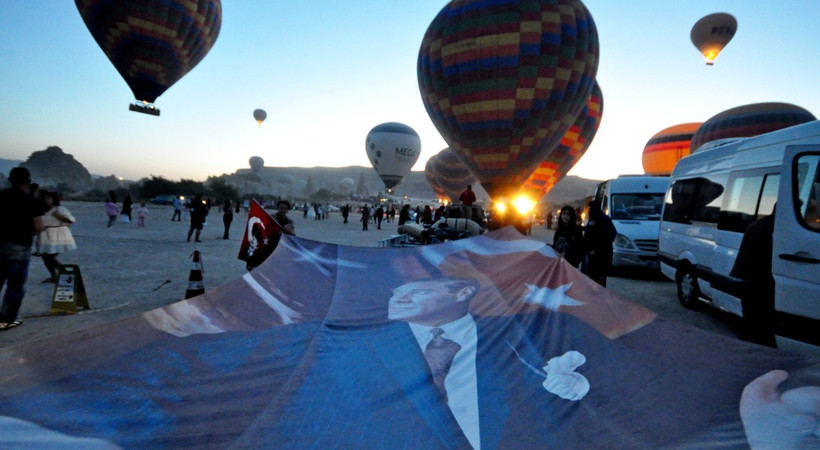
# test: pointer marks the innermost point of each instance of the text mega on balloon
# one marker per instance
(711, 33)
(152, 43)
(569, 151)
(667, 147)
(498, 79)
(392, 148)
(750, 120)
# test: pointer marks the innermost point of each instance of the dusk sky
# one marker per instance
(328, 71)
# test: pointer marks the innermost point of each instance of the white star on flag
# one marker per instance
(550, 298)
(313, 256)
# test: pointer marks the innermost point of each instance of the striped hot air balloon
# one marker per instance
(750, 120)
(668, 146)
(152, 43)
(499, 79)
(431, 177)
(453, 174)
(572, 147)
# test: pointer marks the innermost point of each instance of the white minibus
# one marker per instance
(716, 192)
(634, 203)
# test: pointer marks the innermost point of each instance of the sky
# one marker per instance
(328, 71)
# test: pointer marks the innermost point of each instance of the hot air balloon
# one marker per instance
(392, 148)
(453, 175)
(572, 147)
(256, 163)
(750, 120)
(666, 147)
(498, 79)
(259, 115)
(432, 179)
(711, 33)
(152, 43)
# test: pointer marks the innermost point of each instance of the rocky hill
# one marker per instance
(54, 169)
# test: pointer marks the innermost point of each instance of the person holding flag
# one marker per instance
(262, 233)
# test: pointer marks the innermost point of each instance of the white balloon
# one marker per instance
(393, 148)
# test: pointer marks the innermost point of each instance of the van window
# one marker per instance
(807, 180)
(695, 199)
(750, 197)
(640, 206)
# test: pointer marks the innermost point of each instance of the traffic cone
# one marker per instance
(195, 284)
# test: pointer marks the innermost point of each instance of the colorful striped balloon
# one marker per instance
(572, 147)
(152, 43)
(452, 174)
(750, 120)
(499, 78)
(432, 180)
(668, 146)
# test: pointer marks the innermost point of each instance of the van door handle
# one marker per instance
(802, 257)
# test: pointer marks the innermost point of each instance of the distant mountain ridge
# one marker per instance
(53, 168)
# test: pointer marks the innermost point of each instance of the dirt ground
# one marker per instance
(128, 269)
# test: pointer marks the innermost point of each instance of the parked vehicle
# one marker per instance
(165, 199)
(634, 203)
(716, 192)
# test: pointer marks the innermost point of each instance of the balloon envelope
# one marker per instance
(498, 78)
(256, 163)
(453, 175)
(432, 178)
(392, 148)
(711, 33)
(750, 120)
(667, 147)
(572, 147)
(152, 43)
(259, 115)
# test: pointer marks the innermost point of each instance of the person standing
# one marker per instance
(599, 234)
(141, 214)
(365, 216)
(379, 217)
(568, 241)
(56, 236)
(753, 265)
(404, 215)
(345, 212)
(111, 210)
(227, 217)
(22, 217)
(177, 209)
(467, 198)
(126, 208)
(198, 213)
(282, 208)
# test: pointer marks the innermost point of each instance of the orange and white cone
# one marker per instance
(195, 284)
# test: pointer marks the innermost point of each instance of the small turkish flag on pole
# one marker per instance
(262, 233)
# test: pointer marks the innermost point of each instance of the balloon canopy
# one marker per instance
(711, 33)
(152, 43)
(750, 120)
(572, 147)
(256, 163)
(502, 81)
(286, 179)
(667, 147)
(432, 177)
(453, 175)
(259, 115)
(392, 148)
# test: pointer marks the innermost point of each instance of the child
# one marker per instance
(143, 211)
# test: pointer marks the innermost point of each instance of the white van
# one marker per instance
(634, 203)
(716, 192)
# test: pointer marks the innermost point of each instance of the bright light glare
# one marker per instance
(500, 207)
(523, 204)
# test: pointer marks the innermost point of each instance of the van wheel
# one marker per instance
(688, 291)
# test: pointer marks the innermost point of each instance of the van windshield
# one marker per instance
(640, 206)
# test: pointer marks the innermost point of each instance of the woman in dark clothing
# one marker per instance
(599, 234)
(227, 217)
(404, 215)
(568, 240)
